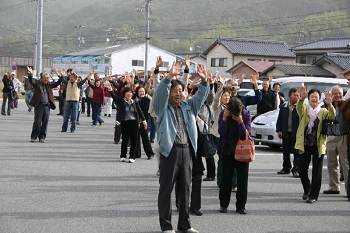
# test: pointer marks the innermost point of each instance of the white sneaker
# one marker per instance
(131, 160)
(122, 159)
(191, 230)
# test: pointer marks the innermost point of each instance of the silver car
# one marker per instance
(263, 129)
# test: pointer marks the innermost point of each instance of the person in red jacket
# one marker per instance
(97, 100)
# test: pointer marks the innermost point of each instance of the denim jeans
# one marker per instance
(70, 111)
(96, 110)
(28, 96)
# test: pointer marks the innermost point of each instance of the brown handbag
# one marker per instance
(245, 149)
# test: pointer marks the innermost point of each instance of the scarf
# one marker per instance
(313, 115)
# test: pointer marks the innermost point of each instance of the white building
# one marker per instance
(115, 59)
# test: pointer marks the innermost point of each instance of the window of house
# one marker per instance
(254, 59)
(310, 59)
(275, 60)
(301, 59)
(219, 62)
(137, 63)
(165, 64)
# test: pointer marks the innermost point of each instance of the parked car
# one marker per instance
(286, 83)
(263, 127)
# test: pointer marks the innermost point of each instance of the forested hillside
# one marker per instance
(175, 25)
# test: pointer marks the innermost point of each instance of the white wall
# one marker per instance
(122, 60)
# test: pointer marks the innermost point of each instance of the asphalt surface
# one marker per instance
(75, 183)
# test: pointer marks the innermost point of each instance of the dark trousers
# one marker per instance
(210, 167)
(6, 97)
(147, 147)
(177, 167)
(83, 105)
(287, 148)
(348, 153)
(219, 175)
(130, 132)
(152, 121)
(313, 189)
(41, 119)
(196, 195)
(60, 105)
(117, 133)
(228, 166)
(89, 104)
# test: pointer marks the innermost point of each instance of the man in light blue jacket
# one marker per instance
(177, 138)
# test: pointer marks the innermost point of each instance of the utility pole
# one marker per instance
(38, 56)
(147, 9)
(81, 39)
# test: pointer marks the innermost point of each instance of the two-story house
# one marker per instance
(225, 53)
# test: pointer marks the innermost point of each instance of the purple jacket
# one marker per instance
(227, 130)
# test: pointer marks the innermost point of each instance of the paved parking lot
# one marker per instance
(75, 183)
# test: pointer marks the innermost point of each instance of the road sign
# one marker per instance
(14, 67)
(14, 63)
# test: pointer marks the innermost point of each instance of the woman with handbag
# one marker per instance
(221, 99)
(234, 120)
(310, 142)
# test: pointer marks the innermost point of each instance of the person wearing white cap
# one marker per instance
(16, 85)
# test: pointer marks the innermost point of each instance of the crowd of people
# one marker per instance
(178, 108)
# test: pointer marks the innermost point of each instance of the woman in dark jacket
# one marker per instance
(6, 96)
(128, 115)
(144, 102)
(233, 123)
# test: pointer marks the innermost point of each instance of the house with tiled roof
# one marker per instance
(283, 70)
(310, 52)
(250, 67)
(225, 53)
(334, 62)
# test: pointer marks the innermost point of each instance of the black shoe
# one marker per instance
(241, 211)
(88, 115)
(341, 178)
(208, 179)
(196, 212)
(283, 172)
(305, 196)
(2, 113)
(311, 200)
(150, 157)
(63, 130)
(295, 174)
(223, 210)
(109, 115)
(331, 192)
